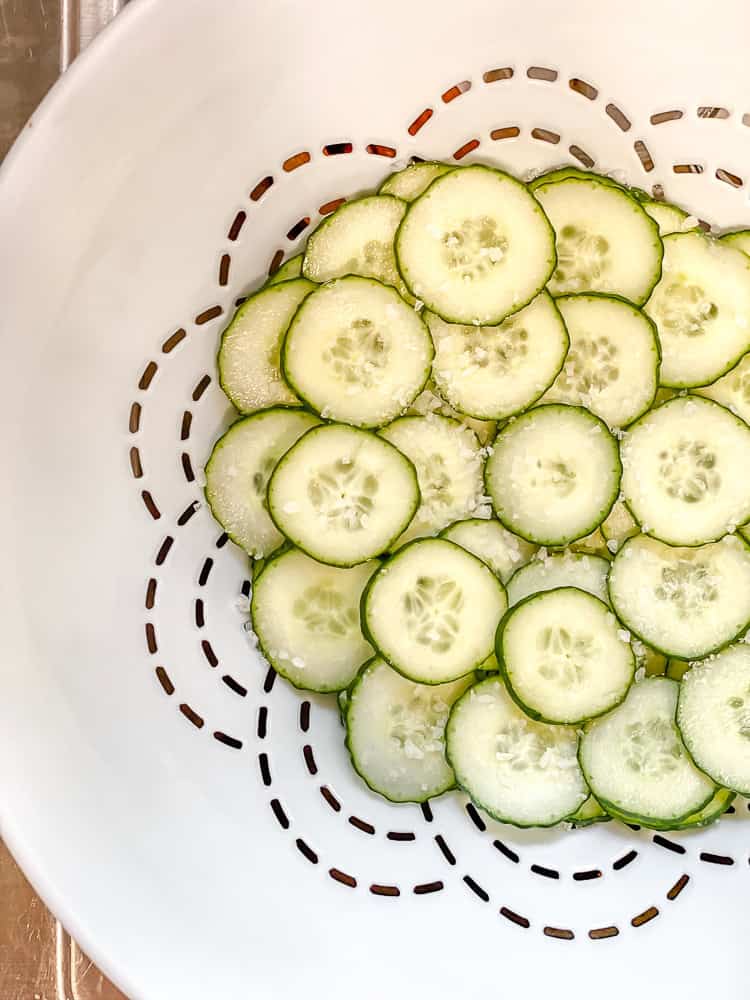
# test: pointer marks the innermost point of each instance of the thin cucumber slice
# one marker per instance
(684, 471)
(636, 763)
(618, 526)
(612, 367)
(594, 544)
(590, 812)
(343, 495)
(356, 239)
(291, 268)
(428, 401)
(740, 240)
(306, 617)
(718, 805)
(676, 669)
(564, 656)
(713, 715)
(493, 372)
(342, 701)
(669, 218)
(516, 770)
(605, 240)
(475, 247)
(564, 569)
(564, 173)
(395, 732)
(432, 611)
(409, 183)
(701, 308)
(238, 471)
(665, 394)
(356, 352)
(554, 474)
(732, 390)
(487, 539)
(249, 356)
(684, 602)
(487, 667)
(650, 661)
(449, 463)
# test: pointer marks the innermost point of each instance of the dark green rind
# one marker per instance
(563, 173)
(730, 238)
(716, 806)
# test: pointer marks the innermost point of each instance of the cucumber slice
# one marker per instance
(489, 541)
(554, 474)
(669, 218)
(428, 401)
(590, 812)
(238, 471)
(564, 569)
(732, 390)
(684, 602)
(701, 308)
(564, 173)
(409, 183)
(448, 461)
(612, 367)
(356, 352)
(684, 477)
(605, 240)
(432, 611)
(713, 715)
(594, 544)
(395, 733)
(493, 372)
(342, 700)
(306, 617)
(249, 356)
(650, 661)
(676, 669)
(516, 770)
(740, 240)
(291, 268)
(564, 656)
(475, 247)
(356, 239)
(343, 495)
(619, 525)
(717, 806)
(636, 763)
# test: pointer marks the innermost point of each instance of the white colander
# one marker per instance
(195, 823)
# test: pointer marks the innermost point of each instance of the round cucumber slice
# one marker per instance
(487, 539)
(554, 474)
(563, 173)
(669, 218)
(636, 763)
(713, 715)
(493, 372)
(291, 268)
(740, 240)
(564, 656)
(701, 308)
(395, 732)
(238, 471)
(612, 366)
(249, 356)
(343, 495)
(516, 770)
(306, 617)
(565, 569)
(715, 808)
(475, 247)
(428, 401)
(732, 390)
(432, 611)
(413, 180)
(684, 477)
(590, 812)
(684, 602)
(356, 352)
(605, 240)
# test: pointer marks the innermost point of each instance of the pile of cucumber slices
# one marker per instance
(493, 468)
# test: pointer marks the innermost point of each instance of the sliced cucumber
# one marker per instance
(449, 463)
(650, 661)
(492, 372)
(636, 763)
(684, 471)
(475, 247)
(356, 352)
(343, 495)
(356, 239)
(501, 550)
(306, 617)
(590, 812)
(732, 390)
(612, 367)
(291, 268)
(249, 356)
(554, 474)
(684, 602)
(517, 770)
(432, 611)
(564, 173)
(605, 240)
(564, 569)
(428, 401)
(413, 180)
(238, 471)
(717, 806)
(395, 732)
(619, 525)
(676, 669)
(701, 308)
(713, 715)
(593, 544)
(564, 656)
(740, 240)
(669, 218)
